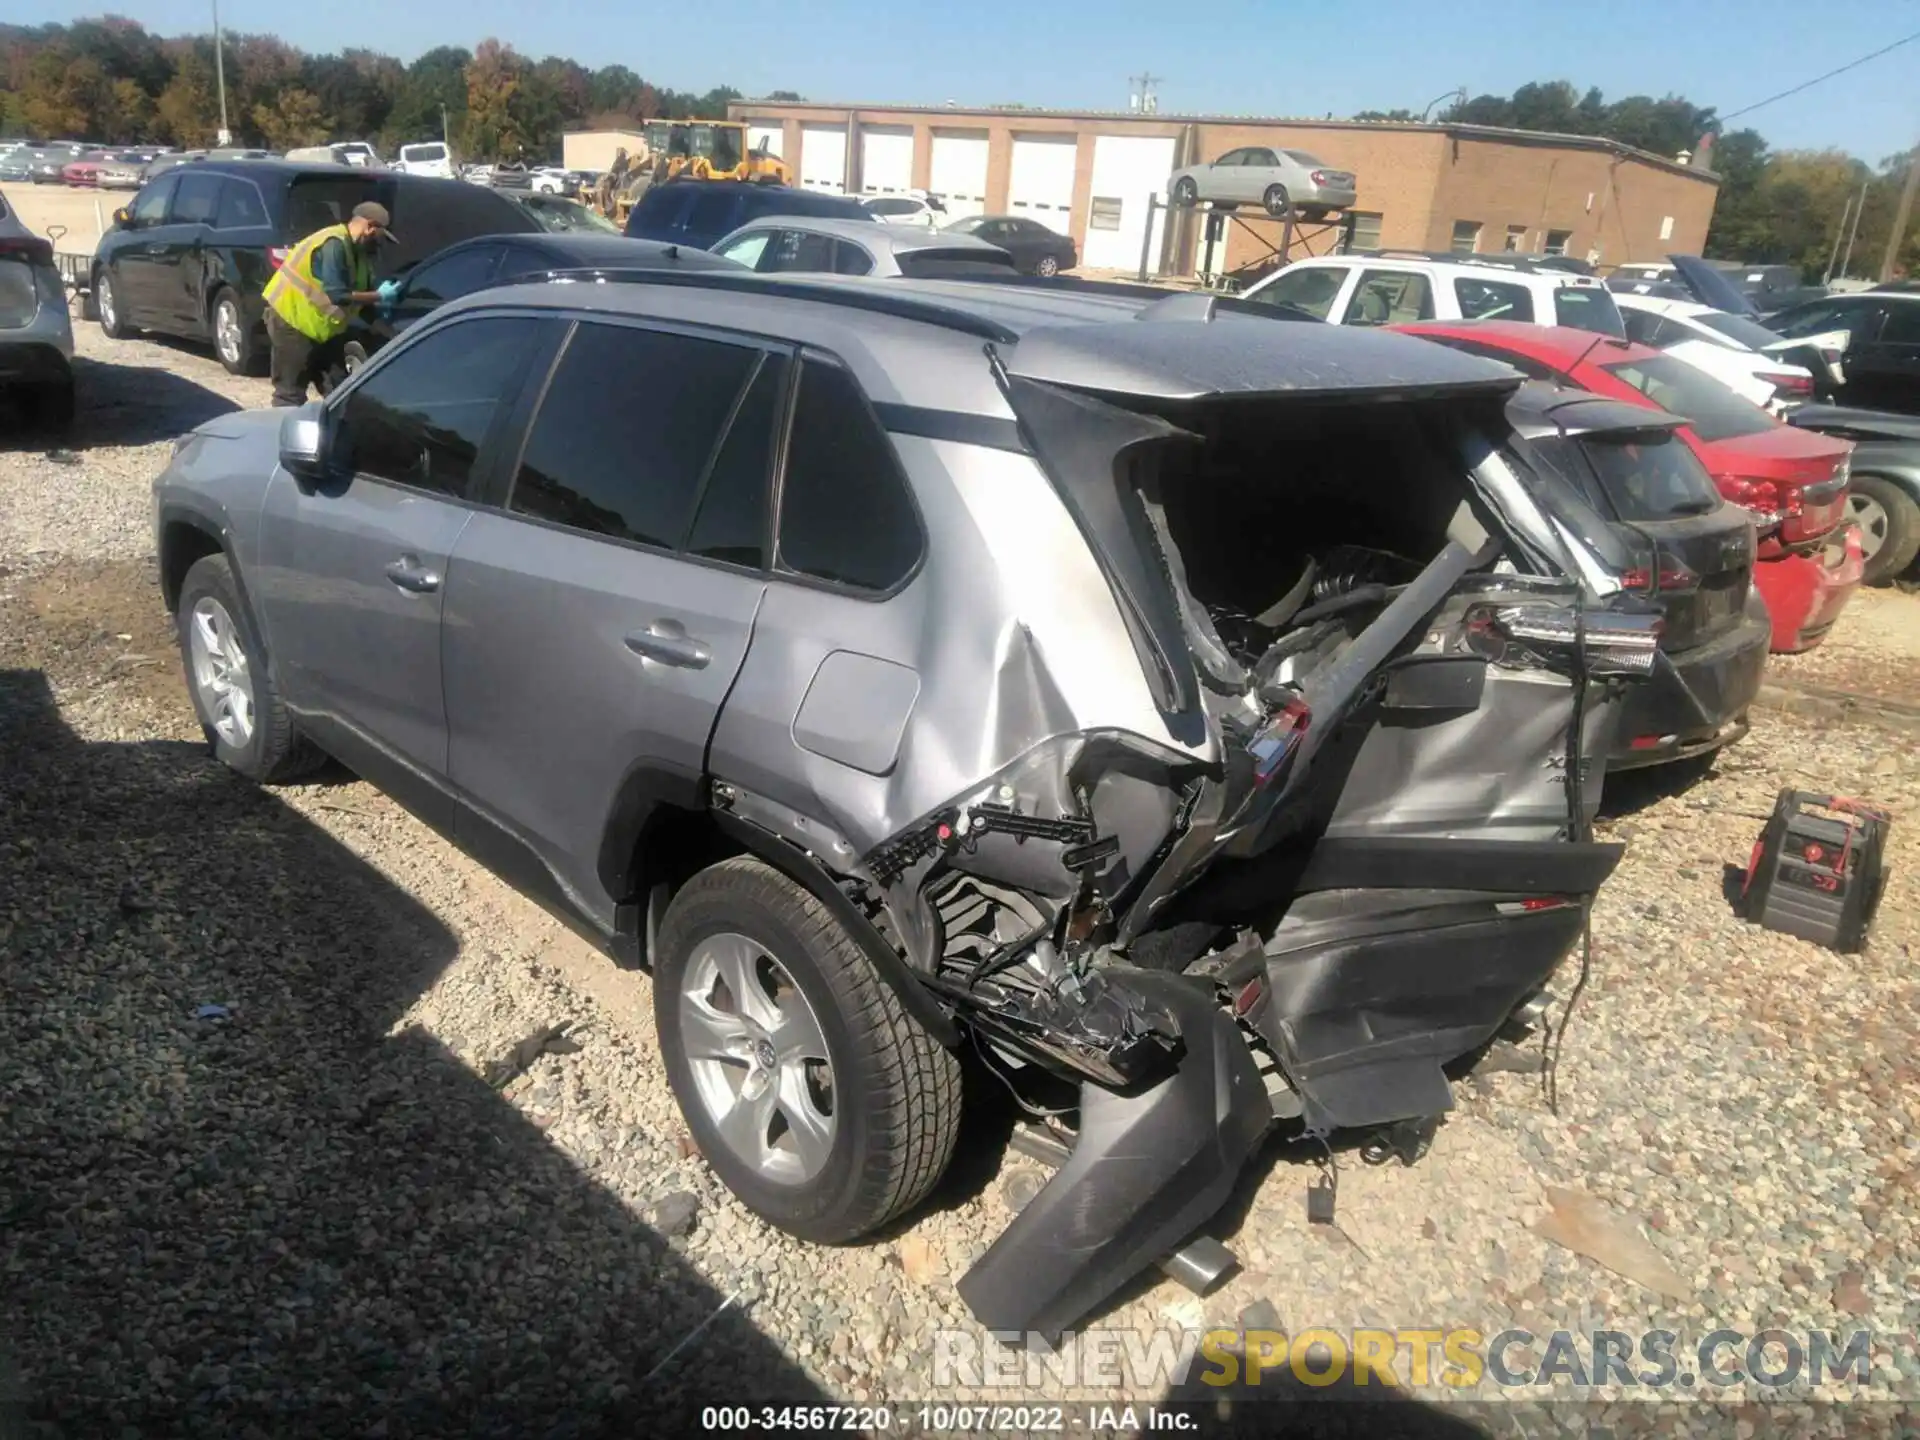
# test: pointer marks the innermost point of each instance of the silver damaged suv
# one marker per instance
(1187, 714)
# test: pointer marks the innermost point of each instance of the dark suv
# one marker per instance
(702, 212)
(192, 253)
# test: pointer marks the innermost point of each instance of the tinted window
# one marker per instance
(845, 514)
(454, 275)
(1714, 411)
(894, 207)
(1587, 307)
(798, 250)
(429, 215)
(1312, 162)
(419, 419)
(1312, 288)
(317, 201)
(624, 433)
(150, 206)
(240, 207)
(1647, 479)
(731, 523)
(1492, 300)
(1903, 323)
(933, 264)
(850, 259)
(1390, 297)
(711, 213)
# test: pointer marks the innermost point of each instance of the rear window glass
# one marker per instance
(1714, 411)
(315, 202)
(1744, 333)
(931, 264)
(1651, 479)
(1587, 307)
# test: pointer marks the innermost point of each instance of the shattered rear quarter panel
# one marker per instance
(1009, 625)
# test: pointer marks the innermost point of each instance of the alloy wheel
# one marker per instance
(226, 330)
(220, 672)
(759, 1058)
(1871, 516)
(104, 299)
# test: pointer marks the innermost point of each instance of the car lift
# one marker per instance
(1294, 233)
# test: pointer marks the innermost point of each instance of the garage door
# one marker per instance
(886, 159)
(1041, 183)
(823, 157)
(771, 136)
(1127, 169)
(959, 173)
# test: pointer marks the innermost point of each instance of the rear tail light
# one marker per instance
(30, 248)
(1319, 177)
(277, 255)
(1789, 386)
(1286, 727)
(1551, 635)
(1671, 577)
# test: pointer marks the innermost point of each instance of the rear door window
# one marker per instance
(730, 519)
(798, 250)
(317, 201)
(846, 515)
(850, 259)
(1587, 307)
(240, 206)
(1903, 323)
(1492, 300)
(711, 213)
(421, 418)
(1390, 297)
(630, 421)
(1710, 408)
(455, 275)
(198, 199)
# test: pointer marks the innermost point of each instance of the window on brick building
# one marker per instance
(1366, 230)
(1558, 240)
(1516, 237)
(1466, 236)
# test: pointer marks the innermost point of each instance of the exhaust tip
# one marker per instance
(1201, 1265)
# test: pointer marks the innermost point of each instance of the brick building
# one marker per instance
(1088, 174)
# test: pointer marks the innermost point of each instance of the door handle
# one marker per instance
(409, 574)
(666, 642)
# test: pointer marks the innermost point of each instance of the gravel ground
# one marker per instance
(365, 1197)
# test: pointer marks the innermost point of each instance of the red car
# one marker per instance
(1795, 484)
(84, 172)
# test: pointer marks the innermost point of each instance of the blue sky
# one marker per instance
(1279, 57)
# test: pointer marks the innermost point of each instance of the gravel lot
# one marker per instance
(345, 1204)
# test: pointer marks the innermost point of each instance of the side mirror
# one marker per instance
(123, 216)
(303, 444)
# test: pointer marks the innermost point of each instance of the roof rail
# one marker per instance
(884, 299)
(1134, 290)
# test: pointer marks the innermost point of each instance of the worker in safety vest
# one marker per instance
(313, 295)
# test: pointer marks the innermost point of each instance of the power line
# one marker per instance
(1809, 84)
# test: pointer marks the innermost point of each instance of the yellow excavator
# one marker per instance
(693, 150)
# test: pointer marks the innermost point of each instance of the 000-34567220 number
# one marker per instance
(863, 1419)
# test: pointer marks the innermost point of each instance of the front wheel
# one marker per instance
(1889, 522)
(233, 692)
(233, 339)
(813, 1094)
(106, 299)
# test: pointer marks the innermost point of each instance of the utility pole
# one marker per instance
(1900, 217)
(220, 75)
(1859, 209)
(1839, 239)
(1146, 103)
(446, 135)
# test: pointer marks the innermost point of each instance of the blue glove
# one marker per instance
(389, 293)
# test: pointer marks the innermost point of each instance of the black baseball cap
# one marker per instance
(376, 212)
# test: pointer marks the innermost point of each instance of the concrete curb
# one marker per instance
(1813, 702)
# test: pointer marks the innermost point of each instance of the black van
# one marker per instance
(192, 252)
(702, 212)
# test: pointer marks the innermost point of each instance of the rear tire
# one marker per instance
(106, 300)
(1046, 266)
(879, 1110)
(1276, 201)
(1888, 514)
(1185, 192)
(231, 685)
(234, 340)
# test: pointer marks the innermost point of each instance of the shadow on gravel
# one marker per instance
(1627, 792)
(276, 1218)
(119, 405)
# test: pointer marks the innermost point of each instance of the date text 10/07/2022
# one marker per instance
(937, 1419)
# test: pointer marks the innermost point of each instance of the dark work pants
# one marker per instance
(298, 361)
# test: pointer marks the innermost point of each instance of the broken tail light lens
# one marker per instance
(1612, 644)
(277, 255)
(1789, 387)
(1277, 739)
(1672, 577)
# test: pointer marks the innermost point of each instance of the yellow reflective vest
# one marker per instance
(297, 298)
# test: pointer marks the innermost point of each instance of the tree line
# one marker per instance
(112, 81)
(1774, 206)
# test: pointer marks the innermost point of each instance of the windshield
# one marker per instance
(561, 216)
(1744, 333)
(1714, 411)
(1588, 307)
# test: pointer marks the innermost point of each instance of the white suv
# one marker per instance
(1395, 287)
